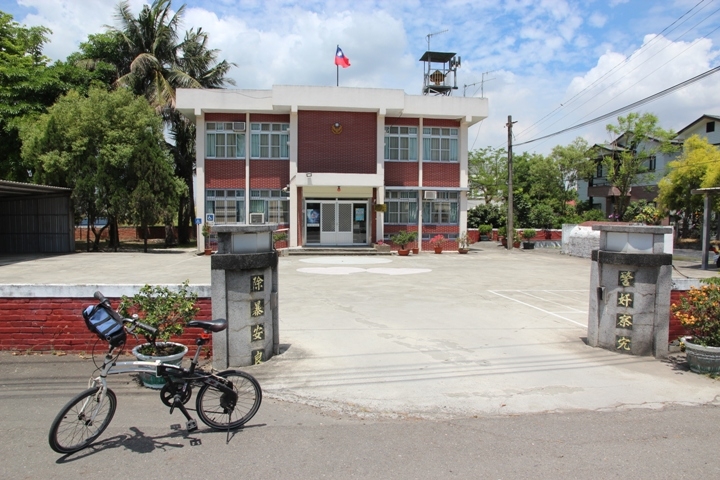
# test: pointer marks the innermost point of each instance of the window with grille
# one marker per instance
(228, 206)
(442, 210)
(223, 142)
(401, 143)
(402, 207)
(440, 144)
(274, 204)
(269, 140)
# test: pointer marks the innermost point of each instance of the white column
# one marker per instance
(248, 149)
(380, 169)
(199, 176)
(294, 201)
(420, 182)
(463, 152)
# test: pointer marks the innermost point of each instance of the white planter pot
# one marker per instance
(153, 381)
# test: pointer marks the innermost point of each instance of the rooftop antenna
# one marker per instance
(481, 82)
(432, 35)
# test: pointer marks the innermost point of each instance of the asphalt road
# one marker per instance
(434, 366)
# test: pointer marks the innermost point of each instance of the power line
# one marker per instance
(626, 60)
(628, 107)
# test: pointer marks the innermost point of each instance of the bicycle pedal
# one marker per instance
(191, 425)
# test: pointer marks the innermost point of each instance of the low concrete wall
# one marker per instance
(43, 318)
(579, 240)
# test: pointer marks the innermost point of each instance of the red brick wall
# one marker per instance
(56, 324)
(441, 174)
(269, 118)
(676, 330)
(224, 117)
(352, 151)
(438, 122)
(225, 174)
(403, 174)
(273, 174)
(394, 121)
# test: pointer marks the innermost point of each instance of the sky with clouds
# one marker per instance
(551, 64)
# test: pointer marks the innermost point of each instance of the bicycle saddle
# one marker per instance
(217, 325)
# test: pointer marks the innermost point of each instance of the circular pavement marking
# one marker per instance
(398, 271)
(350, 260)
(331, 270)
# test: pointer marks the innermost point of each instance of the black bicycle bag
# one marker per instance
(101, 323)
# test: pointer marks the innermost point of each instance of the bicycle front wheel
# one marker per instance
(214, 409)
(82, 420)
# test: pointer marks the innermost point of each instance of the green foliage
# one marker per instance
(402, 238)
(502, 231)
(160, 307)
(463, 240)
(593, 215)
(490, 214)
(641, 139)
(529, 233)
(487, 173)
(642, 212)
(109, 148)
(542, 216)
(279, 237)
(485, 229)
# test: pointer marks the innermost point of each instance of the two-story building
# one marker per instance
(336, 166)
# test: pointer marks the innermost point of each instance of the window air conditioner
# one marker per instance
(238, 126)
(430, 195)
(257, 218)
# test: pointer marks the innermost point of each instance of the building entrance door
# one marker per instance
(336, 222)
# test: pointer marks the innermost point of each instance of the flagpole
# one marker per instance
(337, 74)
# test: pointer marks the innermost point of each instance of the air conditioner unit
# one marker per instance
(238, 126)
(430, 195)
(257, 218)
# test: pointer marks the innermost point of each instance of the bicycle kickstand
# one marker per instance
(191, 424)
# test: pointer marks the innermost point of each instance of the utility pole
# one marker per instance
(510, 228)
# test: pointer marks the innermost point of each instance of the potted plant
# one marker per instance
(699, 312)
(528, 234)
(484, 231)
(415, 249)
(401, 239)
(206, 233)
(463, 242)
(516, 239)
(279, 237)
(436, 242)
(502, 235)
(168, 311)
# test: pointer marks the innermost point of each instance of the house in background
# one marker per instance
(707, 126)
(604, 196)
(320, 160)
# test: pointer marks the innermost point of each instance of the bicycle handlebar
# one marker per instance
(101, 298)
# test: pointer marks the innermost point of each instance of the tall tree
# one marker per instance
(574, 163)
(109, 148)
(698, 166)
(638, 139)
(159, 64)
(487, 173)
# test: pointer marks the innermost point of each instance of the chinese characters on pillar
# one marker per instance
(257, 283)
(257, 332)
(257, 308)
(626, 301)
(257, 356)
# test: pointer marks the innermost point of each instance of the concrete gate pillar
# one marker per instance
(630, 283)
(244, 290)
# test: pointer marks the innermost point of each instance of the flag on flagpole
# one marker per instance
(341, 59)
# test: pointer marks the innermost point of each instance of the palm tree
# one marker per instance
(161, 64)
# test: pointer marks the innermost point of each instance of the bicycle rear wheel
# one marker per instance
(212, 404)
(82, 420)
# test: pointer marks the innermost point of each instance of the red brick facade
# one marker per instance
(49, 324)
(225, 174)
(349, 148)
(401, 174)
(270, 174)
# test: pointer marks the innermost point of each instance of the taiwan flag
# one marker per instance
(341, 59)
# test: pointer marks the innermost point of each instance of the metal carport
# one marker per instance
(35, 219)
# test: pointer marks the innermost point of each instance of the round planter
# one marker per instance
(415, 250)
(438, 249)
(528, 245)
(702, 359)
(208, 251)
(404, 253)
(463, 250)
(153, 381)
